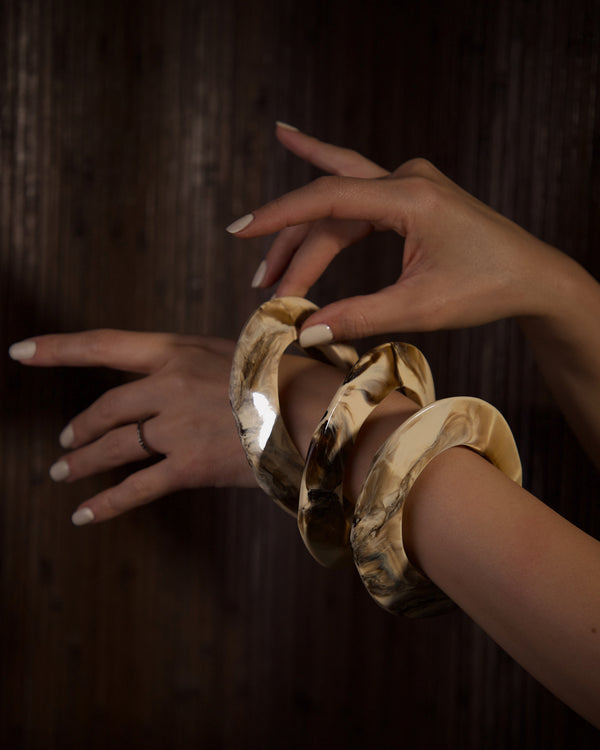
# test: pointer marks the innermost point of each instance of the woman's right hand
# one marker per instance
(463, 265)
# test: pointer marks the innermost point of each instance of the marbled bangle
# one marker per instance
(324, 515)
(376, 535)
(253, 392)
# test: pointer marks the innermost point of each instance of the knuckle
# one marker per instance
(426, 194)
(111, 503)
(132, 492)
(328, 184)
(99, 342)
(362, 325)
(432, 315)
(112, 447)
(417, 167)
(137, 487)
(176, 381)
(106, 406)
(358, 324)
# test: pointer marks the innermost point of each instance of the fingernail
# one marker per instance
(82, 516)
(59, 471)
(66, 437)
(316, 335)
(22, 350)
(285, 126)
(259, 275)
(240, 224)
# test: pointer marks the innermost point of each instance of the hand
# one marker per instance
(182, 400)
(463, 264)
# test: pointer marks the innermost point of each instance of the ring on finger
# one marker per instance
(143, 445)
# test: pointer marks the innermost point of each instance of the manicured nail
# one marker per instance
(316, 335)
(82, 516)
(240, 224)
(59, 471)
(66, 437)
(259, 275)
(22, 350)
(285, 126)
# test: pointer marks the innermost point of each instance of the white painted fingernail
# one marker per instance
(259, 275)
(285, 126)
(59, 471)
(82, 516)
(22, 350)
(66, 437)
(316, 335)
(240, 224)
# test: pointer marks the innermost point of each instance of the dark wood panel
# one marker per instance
(131, 134)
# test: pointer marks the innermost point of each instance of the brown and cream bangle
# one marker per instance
(329, 525)
(376, 535)
(253, 392)
(324, 515)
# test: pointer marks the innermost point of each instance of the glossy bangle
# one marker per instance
(253, 391)
(324, 515)
(376, 535)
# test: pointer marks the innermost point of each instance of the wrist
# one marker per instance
(553, 291)
(305, 390)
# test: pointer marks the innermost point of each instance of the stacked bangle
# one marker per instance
(331, 527)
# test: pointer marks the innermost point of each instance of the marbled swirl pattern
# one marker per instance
(376, 536)
(253, 392)
(324, 515)
(329, 525)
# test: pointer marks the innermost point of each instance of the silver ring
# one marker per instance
(140, 437)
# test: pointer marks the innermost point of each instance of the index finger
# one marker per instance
(384, 202)
(129, 351)
(327, 156)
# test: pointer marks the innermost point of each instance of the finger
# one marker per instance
(333, 159)
(322, 244)
(121, 350)
(392, 309)
(138, 489)
(116, 448)
(386, 203)
(131, 402)
(279, 255)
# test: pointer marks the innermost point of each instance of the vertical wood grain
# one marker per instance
(131, 135)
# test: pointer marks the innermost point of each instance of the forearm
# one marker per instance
(565, 338)
(527, 576)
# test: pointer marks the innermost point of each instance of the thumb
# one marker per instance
(357, 317)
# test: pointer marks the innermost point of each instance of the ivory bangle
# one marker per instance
(376, 536)
(324, 515)
(253, 391)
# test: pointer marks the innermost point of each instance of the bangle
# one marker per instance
(324, 515)
(253, 392)
(376, 535)
(328, 523)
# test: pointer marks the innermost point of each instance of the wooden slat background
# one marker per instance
(132, 133)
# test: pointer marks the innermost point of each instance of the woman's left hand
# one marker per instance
(181, 402)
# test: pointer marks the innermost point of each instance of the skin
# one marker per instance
(463, 265)
(525, 574)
